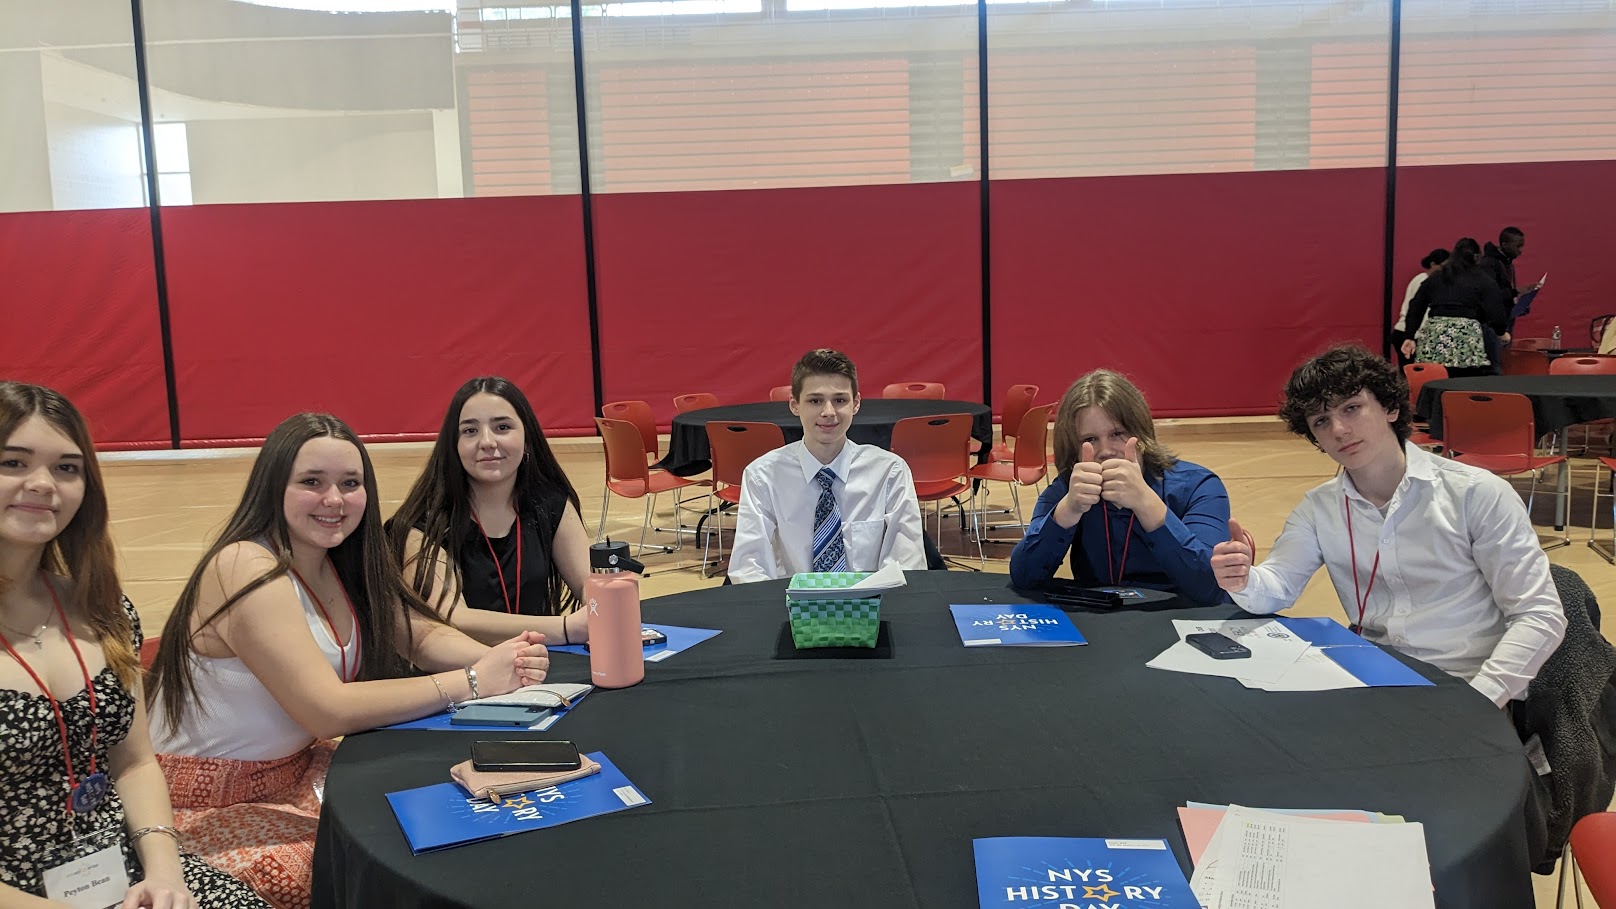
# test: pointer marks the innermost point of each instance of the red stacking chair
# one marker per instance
(638, 413)
(780, 393)
(701, 400)
(629, 476)
(1027, 465)
(1017, 400)
(1585, 366)
(936, 450)
(1524, 361)
(734, 445)
(1496, 433)
(933, 391)
(1418, 374)
(1591, 856)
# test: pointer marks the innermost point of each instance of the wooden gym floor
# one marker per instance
(167, 506)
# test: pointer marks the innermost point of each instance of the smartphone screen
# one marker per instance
(525, 755)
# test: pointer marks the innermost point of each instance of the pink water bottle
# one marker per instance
(612, 596)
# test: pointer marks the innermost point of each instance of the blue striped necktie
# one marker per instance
(829, 553)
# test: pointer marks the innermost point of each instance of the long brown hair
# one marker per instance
(82, 553)
(439, 504)
(1123, 400)
(372, 579)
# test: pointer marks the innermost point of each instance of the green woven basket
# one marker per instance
(827, 620)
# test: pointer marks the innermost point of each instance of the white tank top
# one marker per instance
(235, 716)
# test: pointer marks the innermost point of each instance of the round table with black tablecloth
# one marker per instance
(1557, 401)
(689, 454)
(862, 782)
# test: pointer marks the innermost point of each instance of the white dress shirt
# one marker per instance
(1462, 585)
(1408, 297)
(881, 522)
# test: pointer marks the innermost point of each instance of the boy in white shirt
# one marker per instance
(1431, 557)
(825, 503)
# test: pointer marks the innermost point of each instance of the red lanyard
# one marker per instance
(1113, 572)
(1352, 546)
(342, 649)
(56, 707)
(516, 528)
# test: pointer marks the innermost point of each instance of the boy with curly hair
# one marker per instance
(1431, 557)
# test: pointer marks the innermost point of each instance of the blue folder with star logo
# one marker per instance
(1046, 872)
(444, 815)
(1017, 625)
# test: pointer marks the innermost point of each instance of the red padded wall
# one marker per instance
(375, 311)
(722, 291)
(1565, 209)
(1207, 289)
(78, 305)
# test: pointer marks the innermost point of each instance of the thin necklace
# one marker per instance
(37, 635)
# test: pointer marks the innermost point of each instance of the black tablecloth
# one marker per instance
(689, 453)
(1557, 401)
(854, 783)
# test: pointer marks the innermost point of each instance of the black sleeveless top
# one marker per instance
(480, 581)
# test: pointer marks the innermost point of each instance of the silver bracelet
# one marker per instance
(445, 695)
(164, 829)
(471, 679)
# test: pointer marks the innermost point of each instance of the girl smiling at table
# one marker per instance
(68, 629)
(492, 523)
(295, 628)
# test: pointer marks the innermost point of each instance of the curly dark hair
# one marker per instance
(1340, 373)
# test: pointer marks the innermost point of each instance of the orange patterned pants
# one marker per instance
(253, 819)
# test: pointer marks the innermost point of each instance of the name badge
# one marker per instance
(94, 881)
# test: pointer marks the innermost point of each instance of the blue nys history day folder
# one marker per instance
(444, 815)
(1016, 625)
(1045, 872)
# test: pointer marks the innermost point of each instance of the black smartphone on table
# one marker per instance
(525, 754)
(1218, 646)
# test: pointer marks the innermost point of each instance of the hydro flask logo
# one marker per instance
(594, 606)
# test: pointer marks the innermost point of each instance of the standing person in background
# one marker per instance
(1499, 263)
(1462, 303)
(1430, 265)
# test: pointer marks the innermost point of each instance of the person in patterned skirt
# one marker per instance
(84, 811)
(1453, 312)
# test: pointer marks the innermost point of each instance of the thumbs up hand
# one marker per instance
(1231, 561)
(1123, 483)
(1082, 489)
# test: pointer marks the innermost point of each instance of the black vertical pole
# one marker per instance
(1388, 287)
(986, 196)
(155, 207)
(588, 207)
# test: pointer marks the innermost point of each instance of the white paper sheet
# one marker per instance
(1312, 671)
(1274, 649)
(1261, 860)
